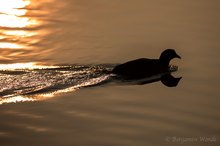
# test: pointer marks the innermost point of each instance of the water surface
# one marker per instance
(64, 37)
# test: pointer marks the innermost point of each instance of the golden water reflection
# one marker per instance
(22, 82)
(10, 68)
(7, 70)
(39, 97)
(22, 29)
(12, 14)
(10, 11)
(22, 66)
(14, 7)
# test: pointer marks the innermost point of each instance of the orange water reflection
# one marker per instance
(14, 7)
(39, 97)
(23, 66)
(11, 12)
(22, 28)
(10, 69)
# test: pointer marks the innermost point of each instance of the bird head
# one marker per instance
(168, 55)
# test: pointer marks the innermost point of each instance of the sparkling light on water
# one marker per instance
(22, 82)
(30, 65)
(17, 33)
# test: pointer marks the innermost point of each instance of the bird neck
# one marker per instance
(164, 62)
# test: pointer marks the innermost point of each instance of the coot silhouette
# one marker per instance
(144, 67)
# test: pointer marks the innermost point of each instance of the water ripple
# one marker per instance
(43, 82)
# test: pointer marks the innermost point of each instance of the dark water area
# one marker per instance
(51, 51)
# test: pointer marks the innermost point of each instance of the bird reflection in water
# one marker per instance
(166, 79)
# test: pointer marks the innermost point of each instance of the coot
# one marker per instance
(144, 67)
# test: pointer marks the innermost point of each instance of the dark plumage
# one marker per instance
(143, 67)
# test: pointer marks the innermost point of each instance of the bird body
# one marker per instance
(140, 68)
(144, 67)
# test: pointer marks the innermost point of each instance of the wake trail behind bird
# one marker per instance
(33, 83)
